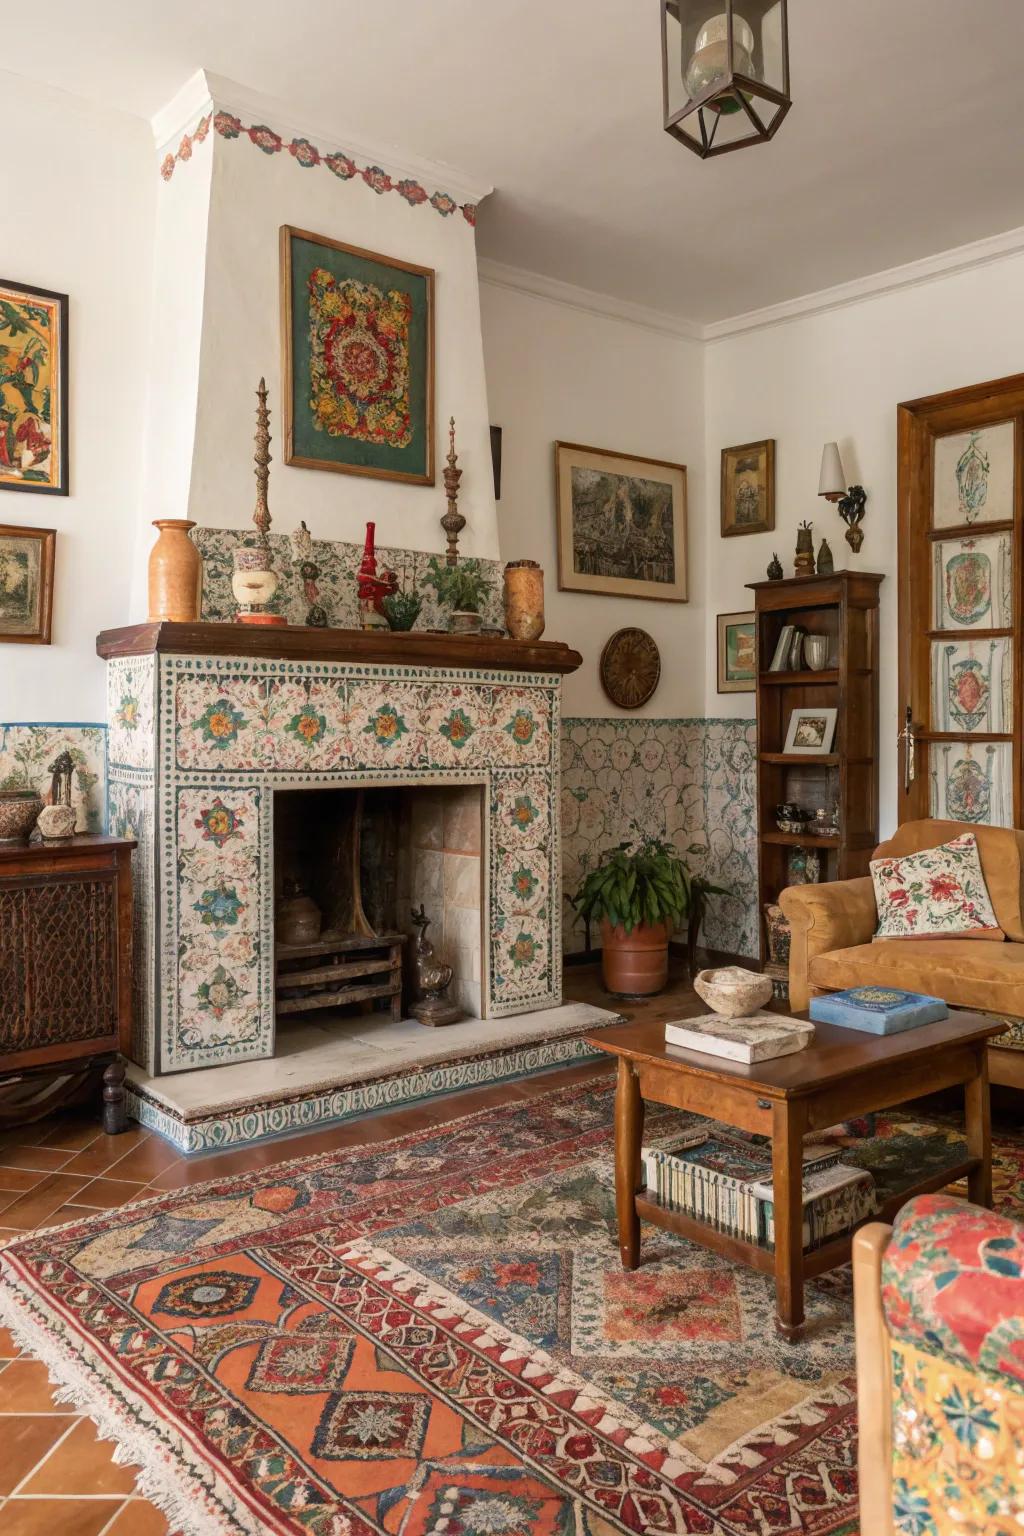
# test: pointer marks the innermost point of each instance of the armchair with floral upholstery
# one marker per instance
(939, 1306)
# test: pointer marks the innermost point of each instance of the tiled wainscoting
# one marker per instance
(27, 750)
(689, 781)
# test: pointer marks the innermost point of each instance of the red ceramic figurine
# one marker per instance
(373, 589)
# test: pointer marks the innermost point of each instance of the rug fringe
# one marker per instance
(193, 1499)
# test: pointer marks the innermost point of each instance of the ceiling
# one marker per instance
(903, 140)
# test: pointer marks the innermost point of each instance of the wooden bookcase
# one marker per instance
(844, 607)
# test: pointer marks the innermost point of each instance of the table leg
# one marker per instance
(787, 1175)
(629, 1129)
(977, 1107)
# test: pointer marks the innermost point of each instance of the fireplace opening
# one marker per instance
(351, 867)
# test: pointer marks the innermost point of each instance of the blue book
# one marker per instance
(878, 1010)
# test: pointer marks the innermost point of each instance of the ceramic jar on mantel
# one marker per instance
(524, 600)
(175, 572)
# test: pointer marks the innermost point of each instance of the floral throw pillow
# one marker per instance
(939, 893)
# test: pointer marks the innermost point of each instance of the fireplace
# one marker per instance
(360, 862)
(214, 734)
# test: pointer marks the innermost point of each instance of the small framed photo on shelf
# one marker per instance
(26, 584)
(811, 732)
(737, 653)
(748, 488)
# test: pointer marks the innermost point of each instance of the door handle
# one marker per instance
(909, 741)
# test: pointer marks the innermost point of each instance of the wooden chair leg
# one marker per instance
(115, 1115)
(874, 1382)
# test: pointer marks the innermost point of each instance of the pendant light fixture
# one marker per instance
(725, 72)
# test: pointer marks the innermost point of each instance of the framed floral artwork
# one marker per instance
(811, 732)
(621, 524)
(737, 653)
(748, 488)
(357, 334)
(26, 584)
(33, 389)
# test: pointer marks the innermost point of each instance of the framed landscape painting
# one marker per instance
(33, 389)
(358, 360)
(26, 584)
(621, 524)
(737, 653)
(748, 488)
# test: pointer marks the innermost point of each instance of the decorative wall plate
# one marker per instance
(630, 668)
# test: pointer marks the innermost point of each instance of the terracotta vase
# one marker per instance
(524, 600)
(634, 964)
(175, 572)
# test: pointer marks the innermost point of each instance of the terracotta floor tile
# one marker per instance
(8, 1348)
(26, 1440)
(35, 1207)
(74, 1132)
(25, 1388)
(18, 1180)
(107, 1194)
(71, 1213)
(81, 1463)
(69, 1517)
(144, 1161)
(103, 1151)
(139, 1518)
(46, 1159)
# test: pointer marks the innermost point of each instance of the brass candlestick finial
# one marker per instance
(453, 521)
(261, 516)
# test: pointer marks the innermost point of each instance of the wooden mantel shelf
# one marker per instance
(296, 642)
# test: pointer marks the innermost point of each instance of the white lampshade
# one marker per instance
(833, 476)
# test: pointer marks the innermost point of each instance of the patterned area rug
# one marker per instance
(433, 1337)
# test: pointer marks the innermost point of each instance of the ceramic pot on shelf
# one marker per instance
(175, 572)
(524, 600)
(462, 621)
(816, 652)
(19, 811)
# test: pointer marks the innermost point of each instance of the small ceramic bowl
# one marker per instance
(733, 992)
(784, 825)
(19, 810)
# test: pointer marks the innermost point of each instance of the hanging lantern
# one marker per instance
(725, 72)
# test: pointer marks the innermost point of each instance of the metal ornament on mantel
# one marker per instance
(255, 581)
(453, 521)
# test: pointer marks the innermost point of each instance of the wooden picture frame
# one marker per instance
(811, 732)
(621, 524)
(33, 389)
(748, 489)
(26, 584)
(737, 669)
(327, 426)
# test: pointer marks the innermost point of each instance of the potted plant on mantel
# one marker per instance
(463, 589)
(639, 893)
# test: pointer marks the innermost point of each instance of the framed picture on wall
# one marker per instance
(33, 389)
(737, 653)
(26, 584)
(621, 524)
(748, 488)
(357, 333)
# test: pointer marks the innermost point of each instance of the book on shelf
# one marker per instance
(759, 1037)
(717, 1177)
(878, 1010)
(780, 658)
(796, 650)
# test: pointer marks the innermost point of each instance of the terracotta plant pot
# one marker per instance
(175, 572)
(634, 964)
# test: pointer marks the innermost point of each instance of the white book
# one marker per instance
(761, 1037)
(781, 657)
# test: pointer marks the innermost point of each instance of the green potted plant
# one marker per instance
(463, 589)
(639, 893)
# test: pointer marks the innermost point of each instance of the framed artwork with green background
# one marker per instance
(358, 360)
(737, 653)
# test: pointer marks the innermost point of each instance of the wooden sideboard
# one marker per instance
(65, 967)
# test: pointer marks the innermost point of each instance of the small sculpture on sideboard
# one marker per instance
(826, 564)
(775, 571)
(803, 564)
(56, 821)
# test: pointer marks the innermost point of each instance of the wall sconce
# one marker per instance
(851, 499)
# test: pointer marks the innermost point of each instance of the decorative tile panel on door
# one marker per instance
(205, 724)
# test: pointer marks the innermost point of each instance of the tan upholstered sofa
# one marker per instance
(833, 925)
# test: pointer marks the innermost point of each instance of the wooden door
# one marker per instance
(960, 604)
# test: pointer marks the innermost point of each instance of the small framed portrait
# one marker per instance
(737, 653)
(33, 389)
(621, 524)
(748, 489)
(811, 732)
(26, 584)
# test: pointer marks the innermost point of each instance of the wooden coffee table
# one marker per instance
(842, 1074)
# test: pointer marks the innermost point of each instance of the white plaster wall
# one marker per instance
(253, 195)
(78, 218)
(560, 373)
(840, 375)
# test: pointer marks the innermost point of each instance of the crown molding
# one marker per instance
(498, 275)
(205, 90)
(914, 274)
